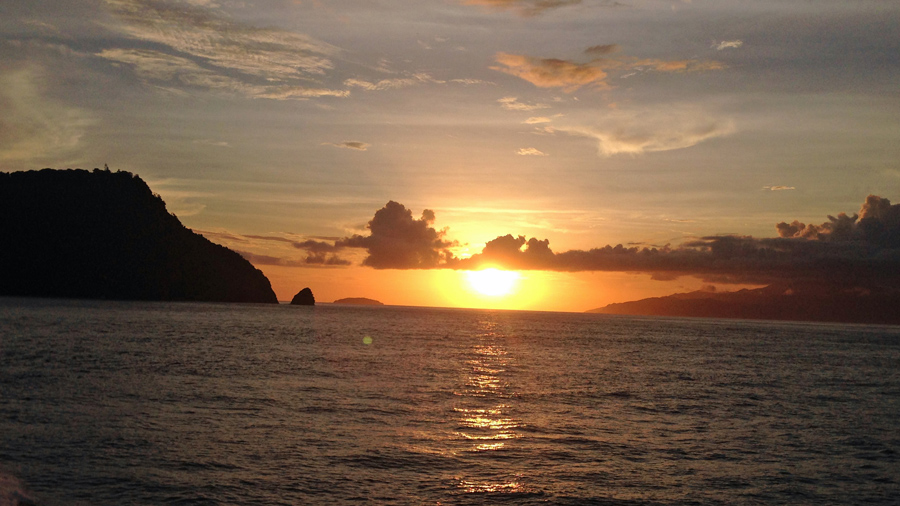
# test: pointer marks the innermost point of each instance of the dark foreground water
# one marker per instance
(111, 403)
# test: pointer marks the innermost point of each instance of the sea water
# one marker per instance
(127, 403)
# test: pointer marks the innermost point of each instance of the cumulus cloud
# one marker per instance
(397, 241)
(530, 152)
(355, 145)
(523, 7)
(635, 133)
(193, 46)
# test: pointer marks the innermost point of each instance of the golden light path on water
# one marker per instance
(483, 410)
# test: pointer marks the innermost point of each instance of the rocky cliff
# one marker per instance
(102, 234)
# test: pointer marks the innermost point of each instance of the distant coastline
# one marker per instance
(358, 301)
(823, 303)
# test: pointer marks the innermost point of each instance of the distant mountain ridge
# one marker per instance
(826, 303)
(105, 235)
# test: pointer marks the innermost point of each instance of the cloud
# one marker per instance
(602, 49)
(513, 104)
(390, 84)
(191, 45)
(726, 44)
(861, 250)
(32, 125)
(530, 152)
(552, 72)
(523, 7)
(778, 188)
(636, 133)
(571, 76)
(356, 145)
(535, 120)
(397, 241)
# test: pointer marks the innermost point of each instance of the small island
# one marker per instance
(358, 301)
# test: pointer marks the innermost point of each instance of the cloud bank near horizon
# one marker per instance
(862, 249)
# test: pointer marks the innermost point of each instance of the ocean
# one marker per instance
(137, 403)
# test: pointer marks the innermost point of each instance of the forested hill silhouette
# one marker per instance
(102, 234)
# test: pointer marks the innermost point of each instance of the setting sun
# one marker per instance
(492, 282)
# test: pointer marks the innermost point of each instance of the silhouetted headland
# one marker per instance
(105, 235)
(808, 302)
(304, 298)
(359, 301)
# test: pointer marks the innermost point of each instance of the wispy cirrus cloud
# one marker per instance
(354, 145)
(523, 7)
(778, 188)
(31, 125)
(530, 152)
(638, 132)
(190, 45)
(513, 104)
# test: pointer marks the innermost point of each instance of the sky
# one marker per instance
(385, 148)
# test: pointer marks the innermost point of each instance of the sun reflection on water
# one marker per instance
(484, 413)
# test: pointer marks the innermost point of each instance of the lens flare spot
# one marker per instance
(367, 340)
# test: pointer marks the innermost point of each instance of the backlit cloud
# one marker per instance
(530, 152)
(858, 250)
(778, 188)
(397, 241)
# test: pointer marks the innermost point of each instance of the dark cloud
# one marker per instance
(602, 49)
(317, 247)
(255, 259)
(862, 250)
(323, 259)
(397, 241)
(858, 250)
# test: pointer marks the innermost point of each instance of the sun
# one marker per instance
(492, 282)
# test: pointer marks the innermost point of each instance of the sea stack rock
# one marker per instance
(304, 298)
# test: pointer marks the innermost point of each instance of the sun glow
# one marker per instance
(493, 282)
